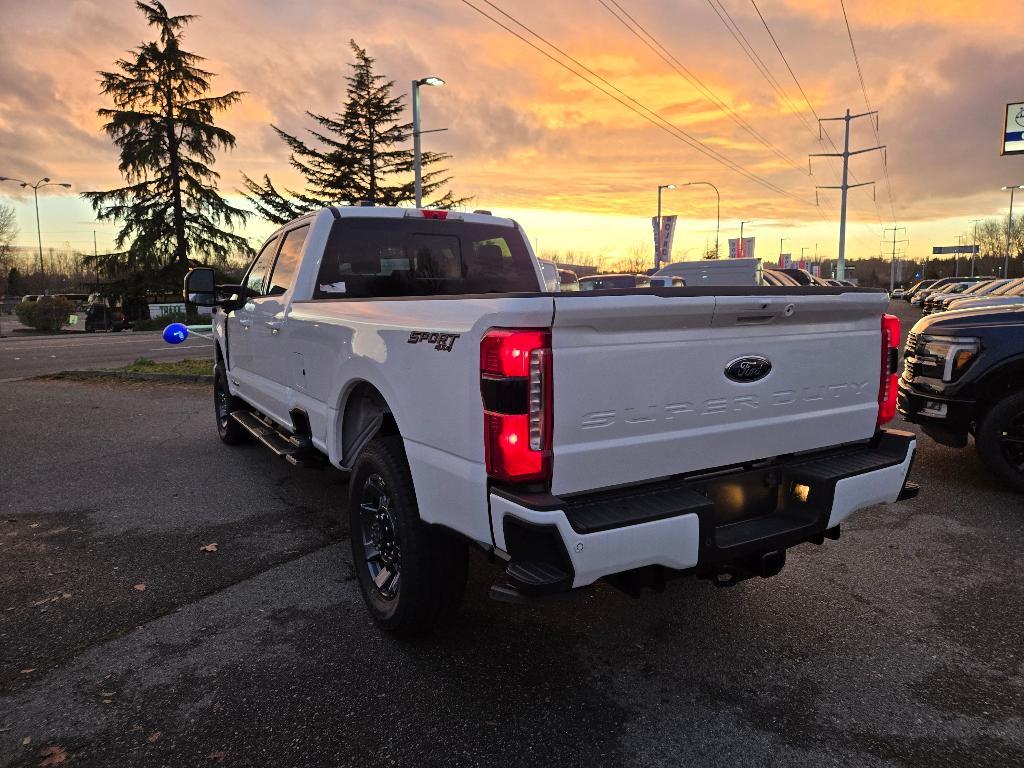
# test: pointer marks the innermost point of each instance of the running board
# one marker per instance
(295, 449)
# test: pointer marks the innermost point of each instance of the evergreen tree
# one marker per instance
(163, 122)
(358, 155)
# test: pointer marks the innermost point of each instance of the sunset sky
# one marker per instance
(534, 142)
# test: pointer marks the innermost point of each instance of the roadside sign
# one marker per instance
(939, 250)
(663, 240)
(1013, 129)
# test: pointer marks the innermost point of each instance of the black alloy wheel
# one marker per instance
(382, 548)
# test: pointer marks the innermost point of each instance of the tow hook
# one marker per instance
(765, 565)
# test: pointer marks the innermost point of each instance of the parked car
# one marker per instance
(1011, 292)
(802, 276)
(937, 287)
(549, 272)
(575, 437)
(777, 278)
(568, 281)
(607, 282)
(897, 293)
(919, 286)
(709, 272)
(105, 316)
(941, 302)
(964, 374)
(953, 289)
(666, 281)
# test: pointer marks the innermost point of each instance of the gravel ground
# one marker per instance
(900, 644)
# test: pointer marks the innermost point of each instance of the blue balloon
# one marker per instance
(175, 333)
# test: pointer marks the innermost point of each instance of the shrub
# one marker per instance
(48, 313)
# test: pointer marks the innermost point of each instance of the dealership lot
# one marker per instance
(898, 645)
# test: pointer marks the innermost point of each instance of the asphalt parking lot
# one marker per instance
(124, 642)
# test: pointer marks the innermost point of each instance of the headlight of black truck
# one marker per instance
(945, 357)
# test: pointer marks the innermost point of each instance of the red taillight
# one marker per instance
(515, 373)
(435, 215)
(889, 379)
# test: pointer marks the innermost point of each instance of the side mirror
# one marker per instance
(200, 288)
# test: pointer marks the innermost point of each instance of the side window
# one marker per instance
(287, 261)
(260, 267)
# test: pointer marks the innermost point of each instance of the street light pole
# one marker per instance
(43, 182)
(658, 236)
(417, 160)
(974, 248)
(718, 209)
(1009, 228)
(781, 241)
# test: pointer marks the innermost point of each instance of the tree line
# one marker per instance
(163, 120)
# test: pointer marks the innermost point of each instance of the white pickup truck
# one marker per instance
(627, 434)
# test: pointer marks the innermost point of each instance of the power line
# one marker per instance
(657, 120)
(665, 55)
(867, 103)
(741, 39)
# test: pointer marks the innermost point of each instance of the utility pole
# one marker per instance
(846, 154)
(781, 241)
(974, 250)
(892, 264)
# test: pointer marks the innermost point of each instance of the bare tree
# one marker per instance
(637, 259)
(8, 231)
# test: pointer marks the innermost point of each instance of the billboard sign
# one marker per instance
(1013, 129)
(741, 249)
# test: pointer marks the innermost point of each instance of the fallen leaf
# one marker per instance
(152, 738)
(208, 548)
(26, 741)
(33, 525)
(108, 701)
(53, 756)
(28, 671)
(106, 694)
(218, 756)
(135, 728)
(140, 587)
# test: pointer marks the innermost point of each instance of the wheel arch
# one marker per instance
(363, 414)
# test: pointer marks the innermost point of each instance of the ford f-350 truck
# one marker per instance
(626, 434)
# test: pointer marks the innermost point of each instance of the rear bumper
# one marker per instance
(702, 523)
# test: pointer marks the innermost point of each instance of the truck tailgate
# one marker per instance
(641, 391)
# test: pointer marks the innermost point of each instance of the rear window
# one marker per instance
(368, 258)
(611, 281)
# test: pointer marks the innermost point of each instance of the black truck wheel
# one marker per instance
(229, 430)
(412, 575)
(1000, 440)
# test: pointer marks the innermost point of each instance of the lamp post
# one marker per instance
(658, 237)
(44, 182)
(718, 208)
(416, 160)
(1009, 228)
(781, 241)
(741, 246)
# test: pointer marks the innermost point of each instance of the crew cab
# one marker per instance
(621, 434)
(963, 374)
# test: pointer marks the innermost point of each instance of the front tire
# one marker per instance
(224, 403)
(1000, 440)
(412, 575)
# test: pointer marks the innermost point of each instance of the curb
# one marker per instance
(181, 378)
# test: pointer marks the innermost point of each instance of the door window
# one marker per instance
(257, 275)
(288, 261)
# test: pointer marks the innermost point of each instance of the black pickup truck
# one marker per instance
(963, 373)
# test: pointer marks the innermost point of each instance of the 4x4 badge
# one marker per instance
(748, 369)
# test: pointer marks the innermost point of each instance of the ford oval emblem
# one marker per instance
(746, 370)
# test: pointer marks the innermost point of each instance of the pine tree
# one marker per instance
(163, 122)
(359, 155)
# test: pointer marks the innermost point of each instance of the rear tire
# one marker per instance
(1000, 440)
(224, 403)
(412, 575)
